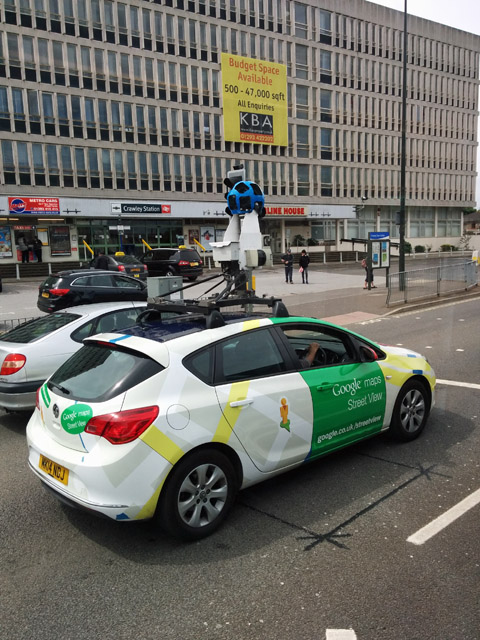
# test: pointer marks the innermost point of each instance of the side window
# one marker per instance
(334, 347)
(201, 364)
(82, 332)
(101, 280)
(126, 283)
(251, 354)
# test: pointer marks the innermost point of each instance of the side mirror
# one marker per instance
(368, 354)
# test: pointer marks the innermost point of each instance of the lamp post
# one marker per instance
(403, 159)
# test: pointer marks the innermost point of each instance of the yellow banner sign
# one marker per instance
(254, 100)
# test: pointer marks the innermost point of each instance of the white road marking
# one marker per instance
(459, 349)
(454, 383)
(434, 527)
(340, 634)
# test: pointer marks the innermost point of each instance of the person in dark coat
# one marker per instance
(304, 261)
(37, 249)
(102, 261)
(287, 260)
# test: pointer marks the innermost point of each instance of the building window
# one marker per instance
(303, 174)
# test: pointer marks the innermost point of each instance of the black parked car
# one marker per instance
(129, 265)
(74, 287)
(173, 262)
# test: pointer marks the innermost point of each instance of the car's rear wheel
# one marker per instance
(192, 278)
(197, 495)
(170, 272)
(410, 412)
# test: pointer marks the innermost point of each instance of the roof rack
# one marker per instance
(210, 308)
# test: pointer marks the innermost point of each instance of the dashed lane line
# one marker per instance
(440, 523)
(340, 634)
(454, 383)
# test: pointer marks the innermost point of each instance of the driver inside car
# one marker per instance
(307, 360)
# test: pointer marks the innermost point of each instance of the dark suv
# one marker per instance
(173, 262)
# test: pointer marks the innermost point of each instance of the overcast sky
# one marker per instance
(461, 14)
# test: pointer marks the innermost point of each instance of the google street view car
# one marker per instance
(170, 418)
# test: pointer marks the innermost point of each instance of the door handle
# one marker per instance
(324, 386)
(241, 403)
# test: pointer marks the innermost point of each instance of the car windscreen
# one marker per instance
(37, 328)
(99, 372)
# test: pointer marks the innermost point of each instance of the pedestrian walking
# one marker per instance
(304, 261)
(102, 261)
(368, 274)
(287, 260)
(23, 248)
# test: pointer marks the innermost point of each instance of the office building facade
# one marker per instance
(112, 122)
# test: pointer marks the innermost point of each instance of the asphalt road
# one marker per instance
(321, 548)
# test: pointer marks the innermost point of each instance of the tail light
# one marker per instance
(58, 292)
(183, 263)
(145, 267)
(121, 267)
(123, 426)
(200, 261)
(12, 363)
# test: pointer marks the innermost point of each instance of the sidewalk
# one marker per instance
(334, 295)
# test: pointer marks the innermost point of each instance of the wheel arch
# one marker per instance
(230, 453)
(426, 385)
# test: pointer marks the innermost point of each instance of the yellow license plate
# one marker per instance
(45, 295)
(136, 275)
(194, 264)
(53, 469)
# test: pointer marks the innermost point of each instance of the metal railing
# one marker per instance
(417, 284)
(10, 323)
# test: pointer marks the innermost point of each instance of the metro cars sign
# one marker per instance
(34, 206)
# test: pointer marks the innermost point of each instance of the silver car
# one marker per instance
(31, 351)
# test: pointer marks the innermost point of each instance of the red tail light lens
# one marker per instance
(123, 426)
(12, 363)
(183, 263)
(144, 267)
(58, 292)
(121, 267)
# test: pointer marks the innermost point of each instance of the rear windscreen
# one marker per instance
(51, 282)
(37, 328)
(190, 255)
(99, 372)
(126, 260)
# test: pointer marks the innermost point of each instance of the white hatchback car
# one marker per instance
(31, 351)
(170, 418)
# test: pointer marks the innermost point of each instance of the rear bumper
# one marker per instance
(118, 481)
(19, 396)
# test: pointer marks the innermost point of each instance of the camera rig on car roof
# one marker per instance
(238, 253)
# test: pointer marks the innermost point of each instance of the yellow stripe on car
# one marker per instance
(238, 391)
(162, 444)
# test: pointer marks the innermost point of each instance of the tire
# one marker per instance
(197, 496)
(192, 278)
(410, 412)
(170, 272)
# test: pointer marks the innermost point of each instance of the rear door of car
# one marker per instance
(266, 403)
